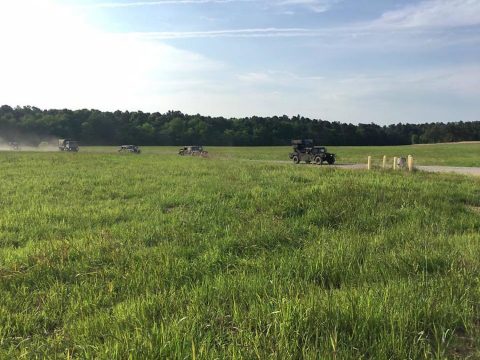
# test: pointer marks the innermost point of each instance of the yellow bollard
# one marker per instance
(395, 163)
(369, 163)
(384, 164)
(410, 163)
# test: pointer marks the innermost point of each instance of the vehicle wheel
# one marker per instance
(295, 159)
(318, 160)
(331, 161)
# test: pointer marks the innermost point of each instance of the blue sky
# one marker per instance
(352, 61)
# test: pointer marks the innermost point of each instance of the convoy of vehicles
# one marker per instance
(303, 150)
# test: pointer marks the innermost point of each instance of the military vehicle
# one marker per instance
(305, 150)
(130, 148)
(14, 145)
(193, 151)
(68, 145)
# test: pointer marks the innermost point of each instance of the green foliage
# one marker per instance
(157, 256)
(92, 127)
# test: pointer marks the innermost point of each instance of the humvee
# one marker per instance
(68, 145)
(130, 148)
(14, 145)
(193, 150)
(304, 150)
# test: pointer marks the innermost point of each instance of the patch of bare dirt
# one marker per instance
(475, 209)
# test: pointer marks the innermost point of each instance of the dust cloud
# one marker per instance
(29, 143)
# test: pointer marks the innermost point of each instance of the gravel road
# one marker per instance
(463, 170)
(451, 169)
(436, 169)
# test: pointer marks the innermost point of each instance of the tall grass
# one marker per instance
(116, 256)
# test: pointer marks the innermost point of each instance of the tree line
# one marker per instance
(93, 127)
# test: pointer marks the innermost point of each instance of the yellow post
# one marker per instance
(369, 163)
(384, 164)
(395, 163)
(410, 163)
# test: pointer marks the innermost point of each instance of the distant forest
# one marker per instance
(93, 127)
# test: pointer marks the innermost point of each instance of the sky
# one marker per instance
(354, 61)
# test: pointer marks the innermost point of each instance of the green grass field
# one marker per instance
(157, 256)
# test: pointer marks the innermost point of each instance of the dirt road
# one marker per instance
(451, 169)
(463, 170)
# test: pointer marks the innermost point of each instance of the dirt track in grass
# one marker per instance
(462, 170)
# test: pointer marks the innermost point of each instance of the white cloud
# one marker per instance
(318, 6)
(456, 81)
(442, 94)
(159, 3)
(231, 33)
(346, 39)
(55, 59)
(433, 13)
(277, 78)
(432, 18)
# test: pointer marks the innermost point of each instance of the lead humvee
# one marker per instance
(130, 148)
(68, 145)
(305, 150)
(193, 150)
(14, 145)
